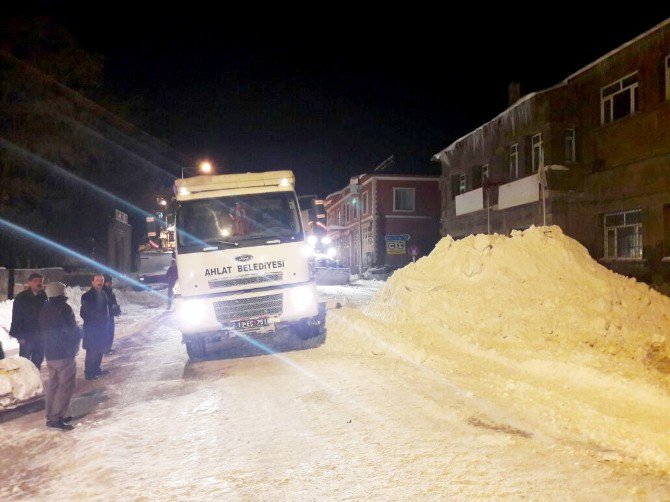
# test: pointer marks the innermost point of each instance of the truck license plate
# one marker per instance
(251, 323)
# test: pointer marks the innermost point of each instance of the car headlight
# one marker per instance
(192, 312)
(331, 252)
(312, 240)
(302, 297)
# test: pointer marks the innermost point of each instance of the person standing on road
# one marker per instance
(114, 311)
(171, 279)
(61, 344)
(95, 313)
(25, 311)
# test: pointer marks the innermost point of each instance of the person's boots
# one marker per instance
(59, 424)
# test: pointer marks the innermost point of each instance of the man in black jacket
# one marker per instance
(95, 313)
(114, 311)
(61, 343)
(25, 311)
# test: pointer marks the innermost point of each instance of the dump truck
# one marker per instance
(243, 261)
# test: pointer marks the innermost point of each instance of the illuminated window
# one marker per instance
(619, 99)
(623, 235)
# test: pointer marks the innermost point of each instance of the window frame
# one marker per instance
(413, 199)
(540, 147)
(638, 247)
(607, 100)
(514, 154)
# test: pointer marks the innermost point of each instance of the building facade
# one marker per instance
(590, 154)
(384, 219)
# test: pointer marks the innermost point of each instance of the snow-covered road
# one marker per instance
(324, 423)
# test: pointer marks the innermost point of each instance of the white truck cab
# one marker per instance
(242, 260)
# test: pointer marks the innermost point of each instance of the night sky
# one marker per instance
(332, 94)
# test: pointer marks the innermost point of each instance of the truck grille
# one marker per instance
(247, 308)
(243, 281)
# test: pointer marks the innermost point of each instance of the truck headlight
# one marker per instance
(302, 297)
(326, 240)
(192, 312)
(312, 240)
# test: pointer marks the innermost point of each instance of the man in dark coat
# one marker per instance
(171, 279)
(114, 311)
(95, 313)
(61, 344)
(25, 311)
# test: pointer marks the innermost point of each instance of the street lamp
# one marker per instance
(205, 167)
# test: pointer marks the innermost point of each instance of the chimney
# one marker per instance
(514, 92)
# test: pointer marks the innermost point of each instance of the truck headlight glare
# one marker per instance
(326, 240)
(192, 312)
(312, 240)
(302, 298)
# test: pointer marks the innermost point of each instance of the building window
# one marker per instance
(570, 145)
(339, 217)
(354, 209)
(346, 213)
(455, 183)
(461, 183)
(538, 152)
(623, 235)
(364, 203)
(514, 161)
(476, 177)
(619, 99)
(403, 199)
(667, 78)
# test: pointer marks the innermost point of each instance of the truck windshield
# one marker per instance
(241, 220)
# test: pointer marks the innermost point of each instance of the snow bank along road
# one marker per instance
(331, 423)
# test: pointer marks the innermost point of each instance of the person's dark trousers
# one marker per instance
(59, 388)
(34, 351)
(92, 363)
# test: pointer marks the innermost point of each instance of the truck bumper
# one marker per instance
(264, 311)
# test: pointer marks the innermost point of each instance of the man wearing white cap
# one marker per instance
(61, 343)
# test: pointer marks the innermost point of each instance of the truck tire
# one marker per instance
(305, 331)
(195, 349)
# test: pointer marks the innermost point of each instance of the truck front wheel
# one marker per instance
(304, 331)
(195, 349)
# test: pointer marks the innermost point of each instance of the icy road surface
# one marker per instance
(303, 425)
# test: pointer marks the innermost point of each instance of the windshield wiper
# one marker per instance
(220, 243)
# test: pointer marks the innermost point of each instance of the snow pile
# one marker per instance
(533, 289)
(19, 380)
(532, 322)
